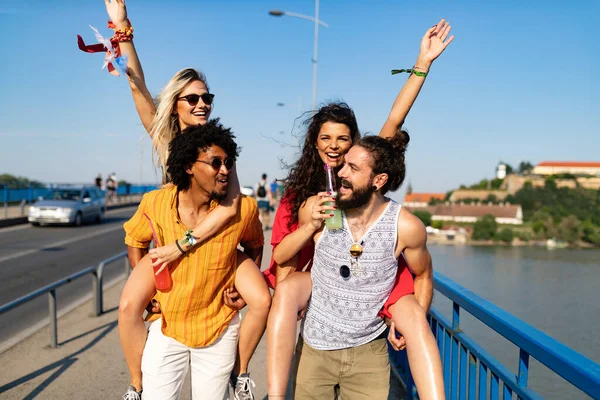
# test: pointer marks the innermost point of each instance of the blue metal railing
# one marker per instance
(471, 372)
(17, 193)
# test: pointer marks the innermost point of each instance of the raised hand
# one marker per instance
(435, 41)
(117, 12)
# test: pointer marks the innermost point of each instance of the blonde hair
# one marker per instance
(165, 125)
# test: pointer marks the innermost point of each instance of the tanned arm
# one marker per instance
(310, 220)
(142, 98)
(413, 236)
(135, 254)
(433, 44)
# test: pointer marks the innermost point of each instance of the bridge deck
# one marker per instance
(89, 362)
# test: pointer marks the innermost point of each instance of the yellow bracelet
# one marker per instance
(125, 31)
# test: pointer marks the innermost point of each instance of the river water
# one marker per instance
(555, 291)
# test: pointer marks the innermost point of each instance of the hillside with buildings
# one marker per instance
(547, 203)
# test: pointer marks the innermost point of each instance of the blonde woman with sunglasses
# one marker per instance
(185, 101)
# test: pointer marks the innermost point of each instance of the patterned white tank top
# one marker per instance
(348, 291)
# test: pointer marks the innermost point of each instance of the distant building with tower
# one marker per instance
(501, 171)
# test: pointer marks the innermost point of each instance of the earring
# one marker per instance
(375, 188)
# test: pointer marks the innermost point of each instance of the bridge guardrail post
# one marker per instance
(52, 318)
(127, 268)
(5, 201)
(100, 279)
(97, 291)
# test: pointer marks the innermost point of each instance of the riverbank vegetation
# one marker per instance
(570, 215)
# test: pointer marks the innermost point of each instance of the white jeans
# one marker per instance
(165, 363)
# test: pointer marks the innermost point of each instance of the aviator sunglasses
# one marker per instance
(193, 99)
(216, 163)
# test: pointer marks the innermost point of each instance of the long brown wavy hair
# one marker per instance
(307, 175)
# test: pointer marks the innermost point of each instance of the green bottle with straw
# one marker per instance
(334, 222)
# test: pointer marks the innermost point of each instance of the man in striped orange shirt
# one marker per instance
(195, 326)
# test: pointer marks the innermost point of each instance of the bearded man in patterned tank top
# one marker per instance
(343, 341)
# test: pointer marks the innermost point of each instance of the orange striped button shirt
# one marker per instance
(193, 311)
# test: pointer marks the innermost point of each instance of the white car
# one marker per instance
(68, 206)
(247, 190)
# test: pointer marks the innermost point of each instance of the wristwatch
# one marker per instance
(190, 239)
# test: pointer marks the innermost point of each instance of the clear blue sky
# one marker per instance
(517, 83)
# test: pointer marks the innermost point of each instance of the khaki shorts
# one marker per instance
(362, 373)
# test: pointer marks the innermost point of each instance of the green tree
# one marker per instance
(496, 183)
(570, 229)
(18, 181)
(590, 233)
(525, 167)
(483, 184)
(539, 227)
(492, 199)
(437, 224)
(506, 235)
(523, 235)
(485, 228)
(558, 202)
(424, 216)
(550, 183)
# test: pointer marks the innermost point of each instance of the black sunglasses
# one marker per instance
(193, 99)
(345, 271)
(216, 163)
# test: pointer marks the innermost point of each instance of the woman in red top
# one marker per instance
(330, 134)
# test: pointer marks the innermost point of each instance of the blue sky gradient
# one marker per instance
(519, 82)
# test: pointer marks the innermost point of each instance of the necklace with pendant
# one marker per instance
(355, 269)
(356, 251)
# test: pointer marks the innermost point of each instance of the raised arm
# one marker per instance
(412, 236)
(310, 220)
(433, 44)
(144, 103)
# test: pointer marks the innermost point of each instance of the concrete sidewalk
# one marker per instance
(89, 363)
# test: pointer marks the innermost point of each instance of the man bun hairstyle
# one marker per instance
(387, 156)
(184, 149)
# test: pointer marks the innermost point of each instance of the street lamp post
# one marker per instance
(315, 60)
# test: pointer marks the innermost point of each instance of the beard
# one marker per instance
(218, 196)
(360, 196)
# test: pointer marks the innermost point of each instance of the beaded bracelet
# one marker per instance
(123, 35)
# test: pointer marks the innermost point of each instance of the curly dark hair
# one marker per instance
(307, 175)
(387, 157)
(184, 148)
